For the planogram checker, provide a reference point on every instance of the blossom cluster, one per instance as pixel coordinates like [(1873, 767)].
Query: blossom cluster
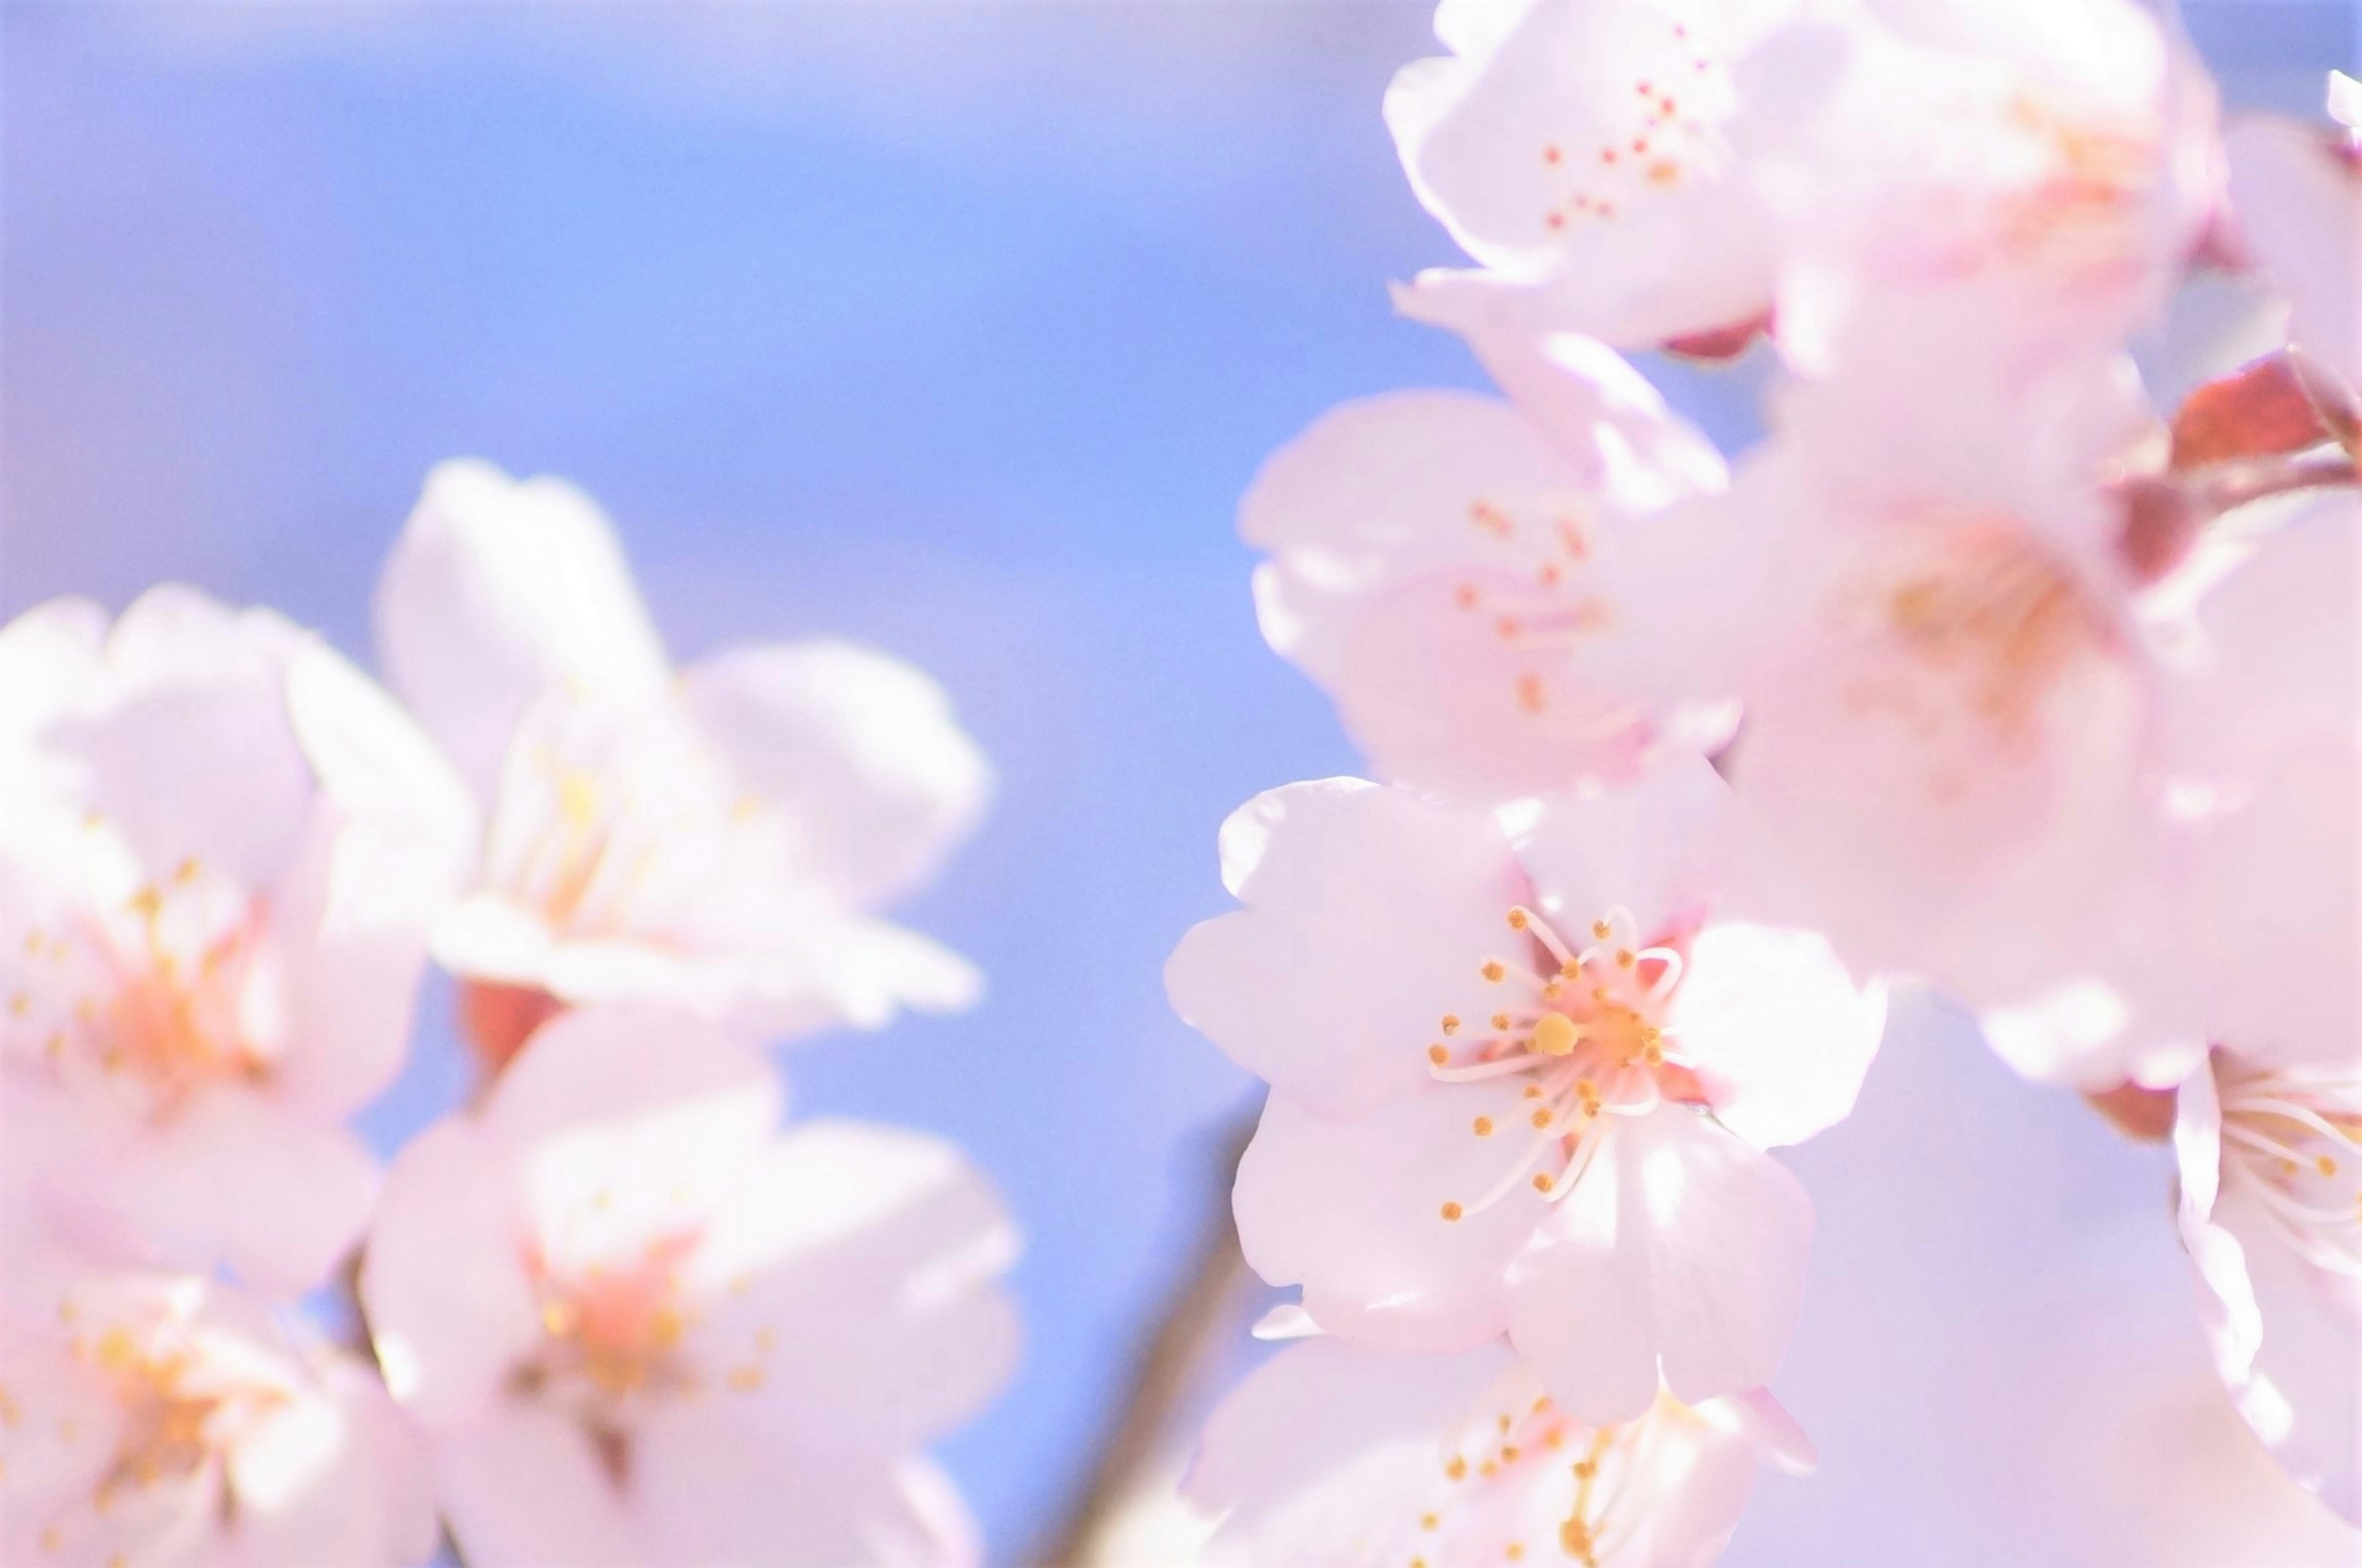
[(2017, 660), (612, 1311)]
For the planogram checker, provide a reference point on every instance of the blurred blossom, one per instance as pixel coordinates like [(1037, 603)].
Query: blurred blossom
[(162, 1418), (1330, 1457), (715, 840), (2299, 190), (221, 854), (641, 1326), (1492, 1041)]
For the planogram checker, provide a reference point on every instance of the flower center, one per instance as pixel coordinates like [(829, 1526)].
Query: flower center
[(150, 1002), (2295, 1146), (1585, 1028), (620, 822), (1516, 1436), (616, 1340), (1986, 626), (1665, 132), (183, 1414), (1536, 607)]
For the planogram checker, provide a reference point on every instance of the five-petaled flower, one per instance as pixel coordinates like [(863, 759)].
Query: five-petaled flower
[(1524, 1067), (716, 840), (640, 1325)]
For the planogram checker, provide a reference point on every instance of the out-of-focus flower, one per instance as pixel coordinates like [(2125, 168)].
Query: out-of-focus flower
[(1935, 614), (2025, 178), (222, 851), (2298, 190), (1330, 1457), (641, 1326), (1522, 1075), (2270, 1159), (715, 840), (1441, 562), (1579, 150), (164, 1418)]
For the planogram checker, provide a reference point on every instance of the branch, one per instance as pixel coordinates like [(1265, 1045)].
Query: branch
[(1198, 1323)]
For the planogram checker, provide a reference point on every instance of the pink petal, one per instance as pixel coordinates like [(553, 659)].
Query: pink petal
[(522, 1487), (861, 747), (1308, 1453), (2300, 205), (497, 592), (1659, 847), (1354, 1211), (710, 1484), (1681, 1247), (444, 1280), (874, 1258), (233, 1179), (1370, 914), (1774, 1023)]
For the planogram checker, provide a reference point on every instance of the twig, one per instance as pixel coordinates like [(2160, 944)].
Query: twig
[(1197, 1324)]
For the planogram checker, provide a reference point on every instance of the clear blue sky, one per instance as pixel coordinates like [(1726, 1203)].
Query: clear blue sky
[(957, 330)]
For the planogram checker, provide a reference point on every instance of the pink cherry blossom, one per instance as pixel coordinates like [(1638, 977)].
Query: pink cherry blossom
[(1440, 561), (1522, 1074), (1580, 151), (639, 1325), (164, 1418), (2297, 191), (716, 840), (2037, 170), (1332, 1457), (1955, 692), (2272, 1211), (214, 891)]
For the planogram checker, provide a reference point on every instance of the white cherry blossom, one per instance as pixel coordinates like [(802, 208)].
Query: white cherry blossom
[(1523, 1070), (217, 878), (719, 839), (1330, 1457), (640, 1325), (150, 1419)]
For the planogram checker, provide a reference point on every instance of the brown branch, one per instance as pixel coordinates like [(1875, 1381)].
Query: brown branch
[(1197, 1324)]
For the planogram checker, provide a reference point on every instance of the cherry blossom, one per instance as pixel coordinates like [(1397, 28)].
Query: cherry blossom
[(717, 839), (1441, 561), (639, 1325), (1933, 610), (1332, 1457), (2298, 190), (1580, 151), (164, 1418), (1522, 1074), (216, 884), (2271, 1210), (2028, 177)]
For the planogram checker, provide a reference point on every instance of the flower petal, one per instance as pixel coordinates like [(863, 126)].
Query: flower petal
[(497, 592), (861, 749)]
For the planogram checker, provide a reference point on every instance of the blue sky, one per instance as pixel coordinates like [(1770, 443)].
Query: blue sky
[(956, 330)]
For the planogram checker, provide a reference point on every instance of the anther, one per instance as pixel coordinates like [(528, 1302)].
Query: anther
[(1452, 1212)]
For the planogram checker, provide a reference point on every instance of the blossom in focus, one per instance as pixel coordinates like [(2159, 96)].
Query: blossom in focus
[(717, 840), (223, 850), (166, 1418), (1523, 1070), (640, 1325), (1581, 151), (2298, 192), (1441, 561), (1332, 1457)]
